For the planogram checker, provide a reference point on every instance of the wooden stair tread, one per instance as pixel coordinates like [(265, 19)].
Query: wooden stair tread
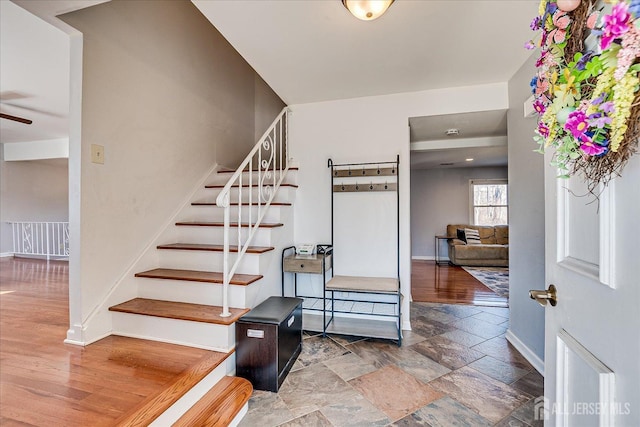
[(179, 310), (220, 405), (198, 276), (236, 204), (246, 185), (214, 248), (152, 407), (295, 168), (221, 224)]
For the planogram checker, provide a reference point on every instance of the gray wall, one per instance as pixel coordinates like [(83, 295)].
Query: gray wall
[(526, 213), (168, 97), (34, 190), (440, 197)]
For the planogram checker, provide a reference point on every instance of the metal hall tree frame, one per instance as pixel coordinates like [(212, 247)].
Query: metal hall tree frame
[(366, 285)]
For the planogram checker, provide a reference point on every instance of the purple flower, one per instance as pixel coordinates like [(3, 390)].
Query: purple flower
[(577, 125), (551, 8), (529, 45), (543, 129), (598, 100), (582, 63), (539, 106), (615, 24), (540, 60), (608, 107), (599, 120), (634, 8), (536, 24)]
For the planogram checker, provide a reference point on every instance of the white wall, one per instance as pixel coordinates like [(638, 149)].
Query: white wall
[(32, 191), (368, 129), (440, 197), (526, 219), (167, 97)]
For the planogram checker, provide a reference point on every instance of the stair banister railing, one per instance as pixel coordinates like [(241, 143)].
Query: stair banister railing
[(270, 158)]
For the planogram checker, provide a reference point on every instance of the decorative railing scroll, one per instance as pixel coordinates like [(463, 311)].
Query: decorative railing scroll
[(252, 189), (48, 239)]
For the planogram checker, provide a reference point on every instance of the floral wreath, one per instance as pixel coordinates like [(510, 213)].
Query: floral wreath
[(587, 89)]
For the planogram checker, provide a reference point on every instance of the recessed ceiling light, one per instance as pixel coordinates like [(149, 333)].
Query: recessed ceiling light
[(468, 160), (452, 132)]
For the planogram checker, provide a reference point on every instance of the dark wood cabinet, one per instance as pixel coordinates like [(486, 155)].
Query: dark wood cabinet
[(268, 342)]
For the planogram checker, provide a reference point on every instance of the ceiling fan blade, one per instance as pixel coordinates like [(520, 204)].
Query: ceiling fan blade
[(35, 110), (15, 118)]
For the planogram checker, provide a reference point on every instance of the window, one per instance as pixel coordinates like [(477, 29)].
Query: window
[(488, 202)]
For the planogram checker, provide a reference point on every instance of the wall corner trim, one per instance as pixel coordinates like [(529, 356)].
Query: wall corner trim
[(526, 352)]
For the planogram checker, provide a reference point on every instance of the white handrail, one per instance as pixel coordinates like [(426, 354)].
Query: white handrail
[(40, 238), (271, 171)]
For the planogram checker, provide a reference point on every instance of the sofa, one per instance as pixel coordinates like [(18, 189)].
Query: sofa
[(493, 249)]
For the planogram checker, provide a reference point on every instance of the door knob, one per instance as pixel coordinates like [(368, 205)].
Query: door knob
[(543, 296)]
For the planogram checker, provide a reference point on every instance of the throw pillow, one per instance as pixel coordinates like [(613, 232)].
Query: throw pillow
[(460, 232), (472, 236)]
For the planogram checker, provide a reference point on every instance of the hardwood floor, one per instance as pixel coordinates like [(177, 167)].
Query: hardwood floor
[(44, 382), (450, 284)]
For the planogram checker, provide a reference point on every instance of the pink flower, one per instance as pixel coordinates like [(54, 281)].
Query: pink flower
[(615, 24), (539, 106), (577, 125), (592, 149), (629, 52), (543, 129)]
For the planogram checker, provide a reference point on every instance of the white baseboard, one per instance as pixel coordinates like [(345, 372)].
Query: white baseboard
[(526, 352), (6, 254), (428, 258)]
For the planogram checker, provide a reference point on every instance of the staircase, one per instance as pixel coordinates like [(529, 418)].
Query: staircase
[(197, 289)]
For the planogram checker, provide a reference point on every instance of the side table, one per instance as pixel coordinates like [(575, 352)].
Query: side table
[(438, 238)]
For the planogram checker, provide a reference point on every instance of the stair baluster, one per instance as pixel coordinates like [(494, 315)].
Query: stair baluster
[(268, 181)]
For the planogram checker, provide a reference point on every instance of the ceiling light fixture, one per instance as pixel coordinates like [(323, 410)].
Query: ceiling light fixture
[(452, 132), (367, 10), (468, 160)]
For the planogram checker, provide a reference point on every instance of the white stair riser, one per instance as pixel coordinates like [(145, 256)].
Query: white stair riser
[(195, 334), (285, 194), (223, 178), (182, 405), (193, 292), (214, 235), (214, 213), (206, 261)]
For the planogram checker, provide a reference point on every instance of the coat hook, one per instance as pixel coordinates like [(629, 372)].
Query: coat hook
[(371, 186), (357, 187), (378, 169), (386, 187), (349, 170), (342, 187), (363, 171)]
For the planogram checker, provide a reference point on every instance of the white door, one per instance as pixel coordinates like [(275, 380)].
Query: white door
[(592, 335)]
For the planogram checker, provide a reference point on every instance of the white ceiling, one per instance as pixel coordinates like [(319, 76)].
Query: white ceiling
[(34, 69), (34, 76), (482, 137), (311, 51)]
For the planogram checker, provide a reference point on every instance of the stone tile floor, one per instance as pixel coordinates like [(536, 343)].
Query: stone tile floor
[(455, 368)]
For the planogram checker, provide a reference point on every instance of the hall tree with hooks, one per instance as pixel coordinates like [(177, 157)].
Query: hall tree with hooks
[(365, 219)]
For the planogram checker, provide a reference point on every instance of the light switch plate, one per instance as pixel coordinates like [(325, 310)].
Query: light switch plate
[(97, 154)]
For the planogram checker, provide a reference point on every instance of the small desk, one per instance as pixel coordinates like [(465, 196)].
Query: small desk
[(438, 238), (314, 264)]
